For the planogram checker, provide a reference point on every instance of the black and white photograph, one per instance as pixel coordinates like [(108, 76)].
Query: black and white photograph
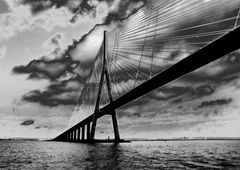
[(119, 84)]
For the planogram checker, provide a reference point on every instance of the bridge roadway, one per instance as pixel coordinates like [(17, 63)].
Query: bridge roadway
[(213, 51)]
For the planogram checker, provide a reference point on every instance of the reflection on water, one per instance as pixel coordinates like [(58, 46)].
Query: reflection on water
[(136, 155)]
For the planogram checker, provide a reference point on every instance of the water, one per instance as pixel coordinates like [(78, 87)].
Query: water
[(137, 155)]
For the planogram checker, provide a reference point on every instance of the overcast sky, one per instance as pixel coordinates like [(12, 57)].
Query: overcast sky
[(41, 82)]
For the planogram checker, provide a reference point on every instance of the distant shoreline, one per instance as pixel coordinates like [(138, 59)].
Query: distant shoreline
[(140, 139), (185, 139), (19, 139)]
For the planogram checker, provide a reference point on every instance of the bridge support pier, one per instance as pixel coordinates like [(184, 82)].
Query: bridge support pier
[(88, 131), (67, 137), (75, 135), (83, 132), (79, 134)]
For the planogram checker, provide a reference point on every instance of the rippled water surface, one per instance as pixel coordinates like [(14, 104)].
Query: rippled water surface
[(136, 155)]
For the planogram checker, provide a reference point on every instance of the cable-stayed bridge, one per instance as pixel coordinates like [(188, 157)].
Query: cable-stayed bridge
[(160, 43)]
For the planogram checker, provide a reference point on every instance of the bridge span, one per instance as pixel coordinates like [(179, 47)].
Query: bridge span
[(222, 44)]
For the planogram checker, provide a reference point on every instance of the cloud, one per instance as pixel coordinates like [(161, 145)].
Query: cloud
[(218, 72), (3, 7), (59, 68), (166, 93), (27, 122), (213, 103), (73, 5), (122, 114), (43, 127), (174, 93), (171, 99), (118, 10), (30, 14), (87, 46), (77, 58), (203, 90), (64, 92), (20, 17), (3, 52), (47, 69), (123, 10), (51, 99), (55, 41), (84, 51)]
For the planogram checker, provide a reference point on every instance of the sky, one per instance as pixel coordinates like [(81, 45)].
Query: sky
[(46, 50)]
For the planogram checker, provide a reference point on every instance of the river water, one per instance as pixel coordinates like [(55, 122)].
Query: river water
[(136, 155)]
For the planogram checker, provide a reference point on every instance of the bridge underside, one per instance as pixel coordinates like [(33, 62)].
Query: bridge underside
[(215, 50)]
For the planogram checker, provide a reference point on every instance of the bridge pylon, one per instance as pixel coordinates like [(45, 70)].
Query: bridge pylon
[(104, 74)]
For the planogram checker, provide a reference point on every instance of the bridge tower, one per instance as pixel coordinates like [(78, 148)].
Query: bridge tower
[(112, 112)]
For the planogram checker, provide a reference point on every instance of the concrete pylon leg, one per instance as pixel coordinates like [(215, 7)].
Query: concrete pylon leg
[(94, 123), (115, 125)]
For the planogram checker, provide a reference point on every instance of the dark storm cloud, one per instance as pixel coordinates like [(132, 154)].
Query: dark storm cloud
[(47, 69), (203, 90), (147, 106), (205, 23), (221, 71), (47, 98), (27, 122), (141, 101), (176, 101), (62, 65), (43, 127), (67, 85), (122, 114), (57, 67), (124, 8), (166, 93), (83, 7), (229, 72), (213, 103), (81, 40), (228, 67), (175, 94), (38, 6), (210, 21), (212, 113), (3, 7), (35, 71), (61, 93)]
